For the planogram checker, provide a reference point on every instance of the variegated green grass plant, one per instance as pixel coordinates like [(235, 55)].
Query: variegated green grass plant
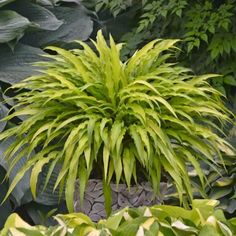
[(88, 110)]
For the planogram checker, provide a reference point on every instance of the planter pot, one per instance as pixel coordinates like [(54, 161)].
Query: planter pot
[(121, 197)]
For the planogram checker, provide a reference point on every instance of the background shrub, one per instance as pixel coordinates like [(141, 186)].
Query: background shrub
[(207, 29)]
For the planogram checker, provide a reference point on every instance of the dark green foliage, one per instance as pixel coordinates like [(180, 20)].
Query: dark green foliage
[(27, 23), (207, 29)]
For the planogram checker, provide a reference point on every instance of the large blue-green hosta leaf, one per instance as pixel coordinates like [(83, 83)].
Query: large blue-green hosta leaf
[(22, 192), (12, 26), (41, 17), (47, 195), (15, 66), (77, 26), (22, 188)]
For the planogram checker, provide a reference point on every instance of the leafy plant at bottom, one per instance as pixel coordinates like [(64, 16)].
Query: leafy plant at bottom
[(90, 111), (161, 220)]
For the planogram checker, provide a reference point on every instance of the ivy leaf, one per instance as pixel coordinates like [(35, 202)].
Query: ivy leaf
[(214, 53), (164, 13), (230, 80), (190, 47), (211, 29), (204, 37), (225, 25), (196, 42), (179, 12)]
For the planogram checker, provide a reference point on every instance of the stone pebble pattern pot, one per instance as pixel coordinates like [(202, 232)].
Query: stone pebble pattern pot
[(93, 206)]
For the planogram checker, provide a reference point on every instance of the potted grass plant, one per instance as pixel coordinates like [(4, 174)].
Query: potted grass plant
[(122, 122)]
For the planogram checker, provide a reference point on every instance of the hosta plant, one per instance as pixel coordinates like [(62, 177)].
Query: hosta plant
[(201, 220), (92, 113)]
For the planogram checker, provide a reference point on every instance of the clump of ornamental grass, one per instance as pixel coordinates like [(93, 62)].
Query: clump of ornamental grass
[(87, 110)]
